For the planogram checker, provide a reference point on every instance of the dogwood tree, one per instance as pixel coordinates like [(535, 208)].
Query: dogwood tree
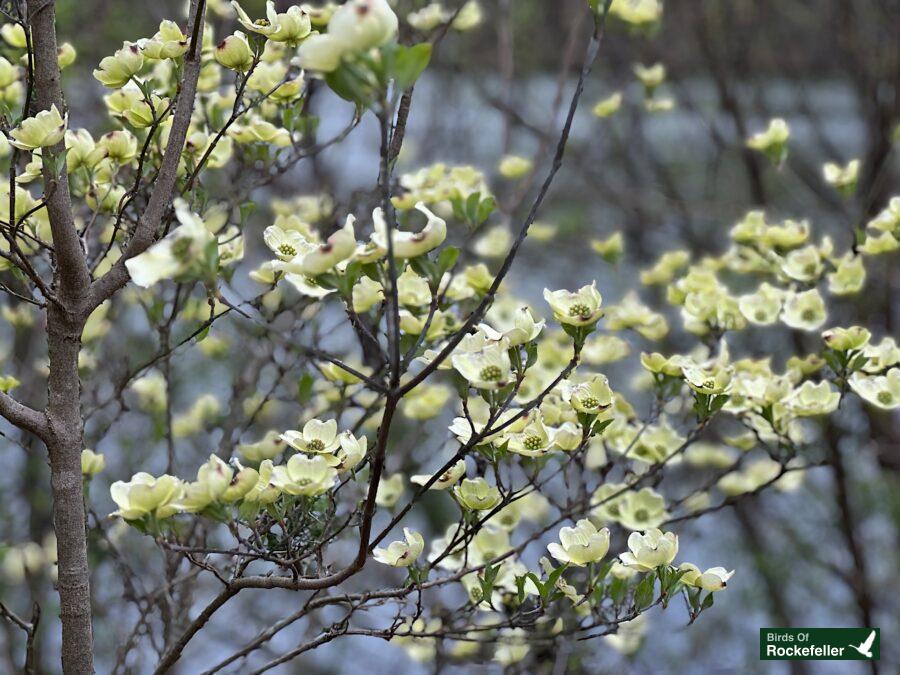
[(561, 490)]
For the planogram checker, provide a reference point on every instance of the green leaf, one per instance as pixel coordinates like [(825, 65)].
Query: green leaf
[(536, 582), (643, 593), (617, 590), (718, 402), (305, 388), (556, 574), (485, 209), (245, 209), (487, 581), (600, 427), (54, 162), (520, 588), (602, 572), (832, 360), (447, 259), (424, 267), (409, 63), (349, 86)]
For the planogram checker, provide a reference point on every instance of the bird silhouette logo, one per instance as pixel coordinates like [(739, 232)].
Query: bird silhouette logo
[(865, 648)]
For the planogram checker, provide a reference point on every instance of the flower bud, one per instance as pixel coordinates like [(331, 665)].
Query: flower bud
[(234, 52), (360, 25), (92, 462), (116, 70), (45, 129)]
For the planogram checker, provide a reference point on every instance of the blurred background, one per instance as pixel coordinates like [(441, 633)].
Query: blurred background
[(825, 554)]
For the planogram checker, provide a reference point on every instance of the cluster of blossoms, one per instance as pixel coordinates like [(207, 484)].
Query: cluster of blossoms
[(322, 456), (522, 388)]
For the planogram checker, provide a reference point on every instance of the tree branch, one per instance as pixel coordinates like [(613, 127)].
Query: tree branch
[(22, 416), (72, 276), (161, 198)]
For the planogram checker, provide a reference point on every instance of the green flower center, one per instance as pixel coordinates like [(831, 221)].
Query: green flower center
[(315, 445), (181, 247), (760, 315), (580, 310), (590, 402), (261, 22), (491, 373), (533, 443), (808, 315), (641, 515), (287, 249), (885, 397)]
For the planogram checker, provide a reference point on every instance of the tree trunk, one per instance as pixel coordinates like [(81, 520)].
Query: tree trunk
[(65, 444)]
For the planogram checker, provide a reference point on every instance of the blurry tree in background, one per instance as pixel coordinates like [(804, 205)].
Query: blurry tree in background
[(281, 369)]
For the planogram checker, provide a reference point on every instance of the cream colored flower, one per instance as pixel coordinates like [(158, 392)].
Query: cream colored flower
[(168, 43), (319, 259), (116, 70), (487, 368), (476, 494), (306, 476), (360, 25), (320, 53), (712, 379), (350, 454), (213, 478), (173, 255), (390, 489), (426, 401), (144, 495), (516, 330), (234, 52), (773, 141), (268, 447), (401, 553), (638, 13), (842, 178), (882, 391), (593, 396), (447, 479), (575, 308), (641, 510), (813, 399), (713, 579), (286, 244), (532, 441), (514, 166), (846, 339), (265, 491), (45, 129), (366, 294), (317, 437), (92, 462), (581, 544), (762, 307), (650, 550), (608, 106), (849, 275), (804, 311), (410, 244), (650, 76), (290, 27)]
